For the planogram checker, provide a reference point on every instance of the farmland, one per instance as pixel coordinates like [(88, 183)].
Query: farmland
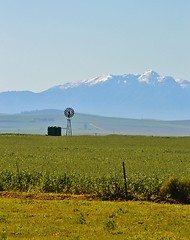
[(93, 164), (95, 155), (45, 183)]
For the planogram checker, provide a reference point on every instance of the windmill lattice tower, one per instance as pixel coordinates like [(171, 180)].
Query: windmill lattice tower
[(69, 113)]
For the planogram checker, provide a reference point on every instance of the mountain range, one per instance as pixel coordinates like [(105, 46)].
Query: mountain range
[(141, 96)]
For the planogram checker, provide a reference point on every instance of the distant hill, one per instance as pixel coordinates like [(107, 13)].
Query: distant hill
[(37, 122), (148, 96)]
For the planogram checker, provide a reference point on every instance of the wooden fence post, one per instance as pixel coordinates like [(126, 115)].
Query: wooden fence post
[(124, 177)]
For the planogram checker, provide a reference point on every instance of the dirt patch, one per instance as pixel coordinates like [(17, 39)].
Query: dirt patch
[(54, 196), (46, 196)]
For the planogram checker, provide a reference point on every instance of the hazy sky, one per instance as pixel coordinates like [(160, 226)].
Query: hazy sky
[(44, 43)]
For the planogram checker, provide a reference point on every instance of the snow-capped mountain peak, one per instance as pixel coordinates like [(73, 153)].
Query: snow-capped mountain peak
[(129, 95), (150, 77), (97, 80), (89, 82)]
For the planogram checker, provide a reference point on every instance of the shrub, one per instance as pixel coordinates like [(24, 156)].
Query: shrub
[(176, 189), (105, 187)]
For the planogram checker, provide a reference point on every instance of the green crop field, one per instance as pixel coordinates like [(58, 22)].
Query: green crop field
[(93, 165), (97, 155)]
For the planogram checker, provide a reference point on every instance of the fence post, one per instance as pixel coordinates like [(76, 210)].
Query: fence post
[(124, 177)]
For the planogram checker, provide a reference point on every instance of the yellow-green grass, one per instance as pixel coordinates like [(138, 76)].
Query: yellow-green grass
[(78, 219)]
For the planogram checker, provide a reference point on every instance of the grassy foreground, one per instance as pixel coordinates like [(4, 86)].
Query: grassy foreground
[(78, 219)]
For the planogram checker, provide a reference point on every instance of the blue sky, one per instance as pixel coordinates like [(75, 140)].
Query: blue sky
[(44, 43)]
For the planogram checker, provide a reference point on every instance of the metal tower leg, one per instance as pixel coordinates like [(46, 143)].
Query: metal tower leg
[(68, 129)]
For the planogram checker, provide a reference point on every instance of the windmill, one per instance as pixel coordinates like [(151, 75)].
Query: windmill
[(69, 113)]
